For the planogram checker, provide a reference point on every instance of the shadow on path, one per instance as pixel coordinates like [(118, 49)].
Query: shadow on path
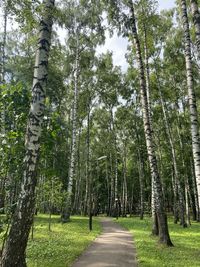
[(114, 247)]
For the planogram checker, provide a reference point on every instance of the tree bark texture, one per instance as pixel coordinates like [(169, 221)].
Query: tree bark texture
[(177, 182), (115, 197), (140, 172), (14, 250), (159, 199), (147, 72), (141, 181), (68, 205), (191, 97), (3, 45), (125, 191), (196, 20)]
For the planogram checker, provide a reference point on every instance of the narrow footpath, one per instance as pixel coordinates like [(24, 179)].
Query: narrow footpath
[(113, 248)]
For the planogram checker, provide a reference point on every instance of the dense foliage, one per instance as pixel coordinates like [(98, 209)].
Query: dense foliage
[(93, 155)]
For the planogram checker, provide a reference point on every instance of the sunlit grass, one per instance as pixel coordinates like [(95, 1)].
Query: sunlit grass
[(63, 244), (186, 250)]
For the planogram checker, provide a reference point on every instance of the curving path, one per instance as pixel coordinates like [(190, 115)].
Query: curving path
[(113, 248)]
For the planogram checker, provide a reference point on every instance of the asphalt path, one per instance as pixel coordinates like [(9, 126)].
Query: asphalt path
[(113, 248)]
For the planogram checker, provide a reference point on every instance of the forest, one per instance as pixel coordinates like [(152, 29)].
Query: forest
[(80, 136)]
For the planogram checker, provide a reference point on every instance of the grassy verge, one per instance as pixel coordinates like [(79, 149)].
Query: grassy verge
[(61, 246), (186, 250)]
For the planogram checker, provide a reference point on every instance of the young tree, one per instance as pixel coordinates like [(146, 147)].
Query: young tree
[(15, 247)]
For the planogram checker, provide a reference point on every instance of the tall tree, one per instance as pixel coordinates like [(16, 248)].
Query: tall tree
[(191, 96), (159, 198), (3, 44), (15, 247), (176, 183), (196, 20), (67, 210)]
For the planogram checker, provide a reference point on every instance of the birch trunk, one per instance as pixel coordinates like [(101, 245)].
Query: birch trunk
[(195, 192), (147, 70), (68, 205), (111, 202), (196, 20), (108, 189), (192, 97), (146, 57), (115, 196), (2, 74), (159, 199), (14, 250), (125, 197), (141, 181), (3, 48), (88, 189), (78, 180), (187, 203), (177, 183), (87, 181), (141, 173)]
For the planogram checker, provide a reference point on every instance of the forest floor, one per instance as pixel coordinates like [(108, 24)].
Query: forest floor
[(63, 244), (114, 247), (186, 250)]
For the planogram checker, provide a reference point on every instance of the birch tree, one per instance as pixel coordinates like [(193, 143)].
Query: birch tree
[(67, 208), (191, 96), (176, 182), (14, 251), (196, 20), (159, 198)]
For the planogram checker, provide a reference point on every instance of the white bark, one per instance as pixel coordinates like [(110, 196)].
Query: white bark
[(196, 19), (3, 45), (191, 96), (14, 251), (159, 199), (177, 183), (68, 204), (74, 124)]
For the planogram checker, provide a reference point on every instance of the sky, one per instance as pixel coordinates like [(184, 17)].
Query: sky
[(164, 4), (118, 45)]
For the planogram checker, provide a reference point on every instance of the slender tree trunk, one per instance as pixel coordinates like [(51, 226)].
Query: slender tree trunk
[(147, 72), (14, 250), (115, 193), (89, 176), (111, 186), (2, 81), (125, 197), (192, 97), (177, 183), (68, 205), (141, 172), (159, 199), (187, 203), (141, 181), (3, 45), (196, 20), (78, 180), (108, 188), (87, 182), (195, 192)]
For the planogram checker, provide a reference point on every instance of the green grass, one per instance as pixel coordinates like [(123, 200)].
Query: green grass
[(61, 246), (186, 250)]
